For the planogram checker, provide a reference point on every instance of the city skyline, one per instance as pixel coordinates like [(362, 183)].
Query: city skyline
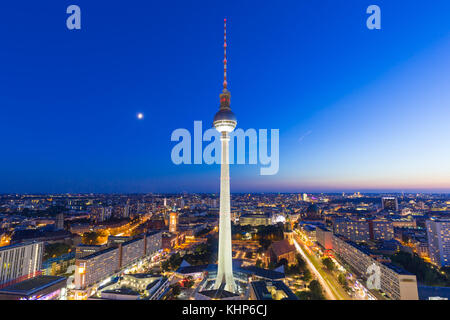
[(334, 184), (357, 109)]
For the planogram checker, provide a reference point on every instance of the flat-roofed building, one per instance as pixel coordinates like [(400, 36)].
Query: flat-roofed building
[(83, 250), (139, 286), (397, 283), (255, 220), (309, 230), (99, 266), (402, 222), (389, 203), (438, 231), (37, 288), (270, 290), (153, 242), (20, 261), (324, 238), (356, 230), (173, 222), (131, 251), (381, 229), (94, 268)]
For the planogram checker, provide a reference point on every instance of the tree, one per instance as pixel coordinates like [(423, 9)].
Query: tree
[(55, 250), (189, 282), (264, 243), (343, 281), (176, 290), (300, 262), (282, 262), (292, 270), (328, 263), (307, 276), (90, 238), (272, 265), (341, 278), (316, 290), (425, 273), (172, 263), (304, 295), (165, 265), (258, 263)]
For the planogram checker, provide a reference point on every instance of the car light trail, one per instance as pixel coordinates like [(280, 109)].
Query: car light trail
[(315, 271)]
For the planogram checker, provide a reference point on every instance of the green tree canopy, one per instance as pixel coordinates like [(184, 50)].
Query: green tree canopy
[(328, 263)]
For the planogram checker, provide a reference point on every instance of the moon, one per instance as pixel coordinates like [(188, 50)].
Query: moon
[(140, 116)]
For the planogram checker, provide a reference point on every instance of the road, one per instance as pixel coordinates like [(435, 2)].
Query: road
[(328, 292)]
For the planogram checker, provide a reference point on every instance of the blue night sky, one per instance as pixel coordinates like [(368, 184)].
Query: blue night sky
[(357, 110)]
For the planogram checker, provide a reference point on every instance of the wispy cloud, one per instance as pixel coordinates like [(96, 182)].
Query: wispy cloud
[(304, 136)]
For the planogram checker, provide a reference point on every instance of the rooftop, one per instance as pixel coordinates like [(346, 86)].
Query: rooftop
[(218, 294), (30, 286), (17, 245), (282, 247), (272, 290), (98, 253)]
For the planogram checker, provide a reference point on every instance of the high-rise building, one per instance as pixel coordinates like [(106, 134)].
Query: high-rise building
[(126, 211), (59, 222), (101, 264), (19, 262), (108, 213), (97, 213), (438, 231), (356, 230), (180, 202), (389, 203), (173, 222), (381, 229), (96, 267), (225, 122)]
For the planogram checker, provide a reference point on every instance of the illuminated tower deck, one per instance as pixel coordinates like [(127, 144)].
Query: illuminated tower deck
[(225, 122)]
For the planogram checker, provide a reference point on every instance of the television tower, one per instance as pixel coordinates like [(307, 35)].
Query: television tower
[(225, 122)]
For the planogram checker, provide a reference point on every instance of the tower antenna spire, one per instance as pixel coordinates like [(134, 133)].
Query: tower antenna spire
[(225, 54)]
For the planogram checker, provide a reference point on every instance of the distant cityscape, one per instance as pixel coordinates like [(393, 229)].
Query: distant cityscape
[(164, 246), (104, 105)]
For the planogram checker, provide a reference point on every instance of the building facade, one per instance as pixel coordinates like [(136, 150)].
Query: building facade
[(173, 222), (94, 268), (19, 262), (389, 203), (381, 229), (356, 230), (324, 238), (395, 282), (255, 220), (438, 232)]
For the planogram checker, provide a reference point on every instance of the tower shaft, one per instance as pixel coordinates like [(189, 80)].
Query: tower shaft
[(225, 266)]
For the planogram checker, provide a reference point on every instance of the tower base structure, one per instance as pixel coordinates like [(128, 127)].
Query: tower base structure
[(207, 289)]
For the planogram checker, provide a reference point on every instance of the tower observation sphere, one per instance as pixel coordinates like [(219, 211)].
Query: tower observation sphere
[(225, 120)]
